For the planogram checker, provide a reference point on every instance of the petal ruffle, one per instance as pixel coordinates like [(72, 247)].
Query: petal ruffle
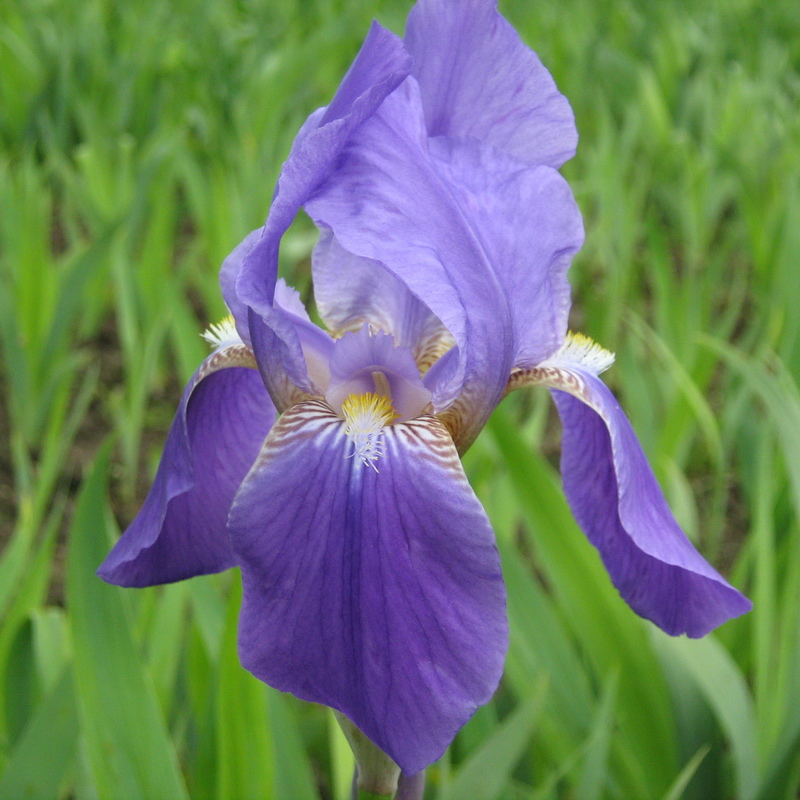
[(479, 80), (617, 502), (481, 239), (376, 593), (379, 67), (529, 226), (221, 423)]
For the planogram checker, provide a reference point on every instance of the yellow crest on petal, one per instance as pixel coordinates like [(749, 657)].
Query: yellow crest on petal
[(366, 415)]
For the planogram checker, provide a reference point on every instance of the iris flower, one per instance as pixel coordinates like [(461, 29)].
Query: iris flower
[(326, 465)]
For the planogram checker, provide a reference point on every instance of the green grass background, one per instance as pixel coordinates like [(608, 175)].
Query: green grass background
[(140, 141)]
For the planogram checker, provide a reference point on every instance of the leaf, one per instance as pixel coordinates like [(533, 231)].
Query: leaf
[(595, 767), (129, 751), (343, 763), (675, 792), (541, 644), (39, 763), (245, 766), (722, 684), (485, 774), (294, 777)]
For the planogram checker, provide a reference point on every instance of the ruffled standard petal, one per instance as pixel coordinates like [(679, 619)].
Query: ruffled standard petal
[(221, 423), (479, 80), (481, 239), (617, 502), (376, 593), (528, 224), (379, 67)]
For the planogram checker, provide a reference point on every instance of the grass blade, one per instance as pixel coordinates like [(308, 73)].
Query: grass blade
[(129, 751), (39, 763), (488, 770)]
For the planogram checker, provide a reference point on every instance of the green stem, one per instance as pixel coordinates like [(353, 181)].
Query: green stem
[(376, 774), (363, 794)]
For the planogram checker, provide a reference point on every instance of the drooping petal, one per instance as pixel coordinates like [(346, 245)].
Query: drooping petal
[(479, 80), (482, 239), (351, 291), (379, 67), (618, 503), (376, 593), (221, 423)]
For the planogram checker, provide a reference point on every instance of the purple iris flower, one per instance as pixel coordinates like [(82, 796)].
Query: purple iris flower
[(326, 465)]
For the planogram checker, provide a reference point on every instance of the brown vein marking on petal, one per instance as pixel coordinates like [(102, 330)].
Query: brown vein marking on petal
[(433, 343), (432, 347), (429, 440), (553, 377), (234, 355), (355, 325), (464, 419), (284, 393), (302, 421)]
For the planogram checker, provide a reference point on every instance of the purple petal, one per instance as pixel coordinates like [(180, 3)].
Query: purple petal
[(288, 298), (479, 80), (376, 593), (316, 344), (351, 291), (229, 271), (529, 226), (291, 377), (379, 67), (483, 240), (221, 423), (617, 501), (411, 787), (359, 356), (288, 378)]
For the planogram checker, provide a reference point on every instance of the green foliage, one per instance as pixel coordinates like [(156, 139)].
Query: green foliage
[(140, 141)]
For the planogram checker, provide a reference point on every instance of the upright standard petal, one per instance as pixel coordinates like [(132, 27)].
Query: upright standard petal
[(221, 423), (617, 502), (482, 239), (378, 593), (530, 228), (479, 80), (379, 67)]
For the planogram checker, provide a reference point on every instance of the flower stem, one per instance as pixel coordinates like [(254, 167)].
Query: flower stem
[(410, 787), (363, 794), (376, 774)]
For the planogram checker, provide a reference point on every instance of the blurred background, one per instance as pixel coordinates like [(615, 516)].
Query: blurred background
[(140, 141)]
